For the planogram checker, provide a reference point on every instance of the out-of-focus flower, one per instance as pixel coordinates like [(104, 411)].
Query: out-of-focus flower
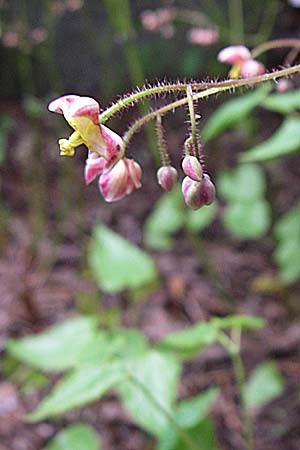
[(11, 39), (252, 68), (167, 177), (198, 193), (283, 85), (203, 36), (119, 181), (192, 167), (234, 54), (74, 5), (295, 3), (38, 35), (82, 115), (242, 62), (156, 20)]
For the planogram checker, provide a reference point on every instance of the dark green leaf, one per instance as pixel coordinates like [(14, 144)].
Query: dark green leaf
[(284, 141), (75, 437), (117, 264), (233, 112), (264, 385)]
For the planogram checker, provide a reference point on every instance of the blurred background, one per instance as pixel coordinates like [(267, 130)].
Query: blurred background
[(104, 49)]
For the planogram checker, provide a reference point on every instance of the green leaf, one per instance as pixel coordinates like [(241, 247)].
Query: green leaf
[(198, 220), (157, 376), (84, 385), (233, 112), (167, 217), (236, 320), (264, 385), (283, 103), (193, 339), (243, 184), (75, 437), (58, 348), (117, 264), (284, 141), (248, 220), (193, 410), (286, 255)]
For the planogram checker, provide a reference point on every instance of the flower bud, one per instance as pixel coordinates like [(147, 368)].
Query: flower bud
[(167, 177), (234, 54), (198, 193), (192, 167), (252, 68)]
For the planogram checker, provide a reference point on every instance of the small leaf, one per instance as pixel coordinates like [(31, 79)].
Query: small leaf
[(284, 141), (245, 183), (283, 103), (248, 220), (85, 384), (264, 385), (193, 339), (233, 112), (193, 410), (58, 348), (236, 320), (75, 437), (157, 377), (117, 264), (204, 436), (167, 217), (286, 255), (198, 220)]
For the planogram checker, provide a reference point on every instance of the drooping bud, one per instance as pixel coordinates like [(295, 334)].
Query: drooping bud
[(251, 68), (198, 193), (120, 180), (234, 54), (192, 167), (167, 177), (94, 166)]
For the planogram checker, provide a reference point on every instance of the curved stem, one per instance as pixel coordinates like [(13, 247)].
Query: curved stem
[(231, 84), (276, 43)]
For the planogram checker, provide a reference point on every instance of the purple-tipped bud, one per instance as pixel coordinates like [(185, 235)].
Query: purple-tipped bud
[(167, 177), (198, 193), (234, 54), (252, 68), (192, 167)]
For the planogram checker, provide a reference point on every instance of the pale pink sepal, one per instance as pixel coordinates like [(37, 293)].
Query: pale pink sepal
[(252, 68), (192, 167), (234, 54), (94, 166), (167, 177)]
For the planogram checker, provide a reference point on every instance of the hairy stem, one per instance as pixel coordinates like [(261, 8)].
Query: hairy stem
[(189, 93), (231, 84)]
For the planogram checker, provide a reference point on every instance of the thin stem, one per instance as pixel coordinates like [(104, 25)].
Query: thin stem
[(178, 87), (189, 94), (276, 43), (236, 18), (181, 432), (231, 84), (161, 144)]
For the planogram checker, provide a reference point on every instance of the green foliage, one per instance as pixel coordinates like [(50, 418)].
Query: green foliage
[(170, 215), (6, 125), (83, 385), (287, 232), (117, 264), (75, 437), (284, 141), (264, 385), (233, 112), (238, 321), (247, 215), (283, 103), (59, 348), (190, 412), (159, 374)]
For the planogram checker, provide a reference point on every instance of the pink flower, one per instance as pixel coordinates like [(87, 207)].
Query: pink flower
[(192, 167), (119, 181), (252, 68), (94, 166), (203, 36), (82, 115), (167, 177), (198, 193), (234, 54)]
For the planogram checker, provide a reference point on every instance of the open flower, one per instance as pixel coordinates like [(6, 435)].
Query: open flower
[(82, 115), (241, 60)]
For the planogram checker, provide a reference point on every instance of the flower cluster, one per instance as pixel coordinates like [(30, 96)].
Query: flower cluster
[(118, 174), (242, 61)]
